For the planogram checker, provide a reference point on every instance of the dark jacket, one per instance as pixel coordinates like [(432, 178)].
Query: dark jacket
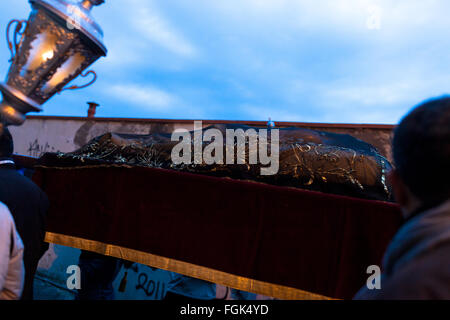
[(28, 206), (416, 264)]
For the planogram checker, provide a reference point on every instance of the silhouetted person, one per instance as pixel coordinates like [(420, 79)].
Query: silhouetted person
[(28, 206), (416, 264), (98, 273)]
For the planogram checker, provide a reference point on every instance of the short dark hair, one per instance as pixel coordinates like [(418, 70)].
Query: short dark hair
[(6, 143), (421, 149)]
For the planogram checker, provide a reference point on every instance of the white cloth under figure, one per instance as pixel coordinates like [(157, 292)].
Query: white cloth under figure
[(12, 269)]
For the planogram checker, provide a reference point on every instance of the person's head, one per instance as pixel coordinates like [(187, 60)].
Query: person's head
[(421, 150), (6, 143)]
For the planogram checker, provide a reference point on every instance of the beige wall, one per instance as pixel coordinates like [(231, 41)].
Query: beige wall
[(42, 134)]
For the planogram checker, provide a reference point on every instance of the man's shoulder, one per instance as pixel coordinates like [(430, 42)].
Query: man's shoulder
[(4, 211), (6, 218), (16, 180), (431, 263), (424, 277)]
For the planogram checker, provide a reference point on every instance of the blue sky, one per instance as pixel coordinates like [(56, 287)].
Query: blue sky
[(339, 61)]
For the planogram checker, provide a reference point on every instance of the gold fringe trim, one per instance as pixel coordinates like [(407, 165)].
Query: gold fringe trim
[(188, 269)]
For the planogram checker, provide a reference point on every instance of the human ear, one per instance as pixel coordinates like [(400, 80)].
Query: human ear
[(398, 187), (402, 194)]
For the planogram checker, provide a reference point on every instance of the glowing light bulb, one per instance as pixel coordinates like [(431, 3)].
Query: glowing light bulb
[(47, 55), (9, 110)]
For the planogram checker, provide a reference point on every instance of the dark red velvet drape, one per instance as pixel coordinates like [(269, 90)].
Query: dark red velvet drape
[(307, 240)]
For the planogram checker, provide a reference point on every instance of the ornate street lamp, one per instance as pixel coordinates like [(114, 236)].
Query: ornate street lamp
[(57, 43)]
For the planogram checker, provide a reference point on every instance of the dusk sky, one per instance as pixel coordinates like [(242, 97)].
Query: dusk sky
[(338, 61)]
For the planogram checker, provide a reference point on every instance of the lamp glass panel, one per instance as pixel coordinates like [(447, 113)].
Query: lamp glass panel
[(68, 69), (42, 51)]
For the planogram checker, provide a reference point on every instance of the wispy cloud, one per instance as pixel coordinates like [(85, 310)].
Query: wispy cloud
[(140, 35), (145, 97), (153, 27)]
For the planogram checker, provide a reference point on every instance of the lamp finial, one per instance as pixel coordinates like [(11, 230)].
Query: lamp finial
[(88, 4)]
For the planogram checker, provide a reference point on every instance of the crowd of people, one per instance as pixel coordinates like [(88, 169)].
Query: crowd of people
[(24, 208), (415, 265)]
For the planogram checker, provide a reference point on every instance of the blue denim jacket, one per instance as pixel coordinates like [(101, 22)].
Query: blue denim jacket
[(191, 287)]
